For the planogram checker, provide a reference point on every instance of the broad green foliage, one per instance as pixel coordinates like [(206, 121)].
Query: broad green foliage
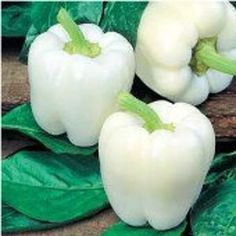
[(215, 212), (14, 221), (123, 229), (223, 168), (16, 20), (124, 18), (50, 187), (21, 119), (82, 12)]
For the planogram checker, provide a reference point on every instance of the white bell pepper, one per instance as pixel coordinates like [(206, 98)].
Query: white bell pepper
[(154, 160), (75, 74), (186, 50)]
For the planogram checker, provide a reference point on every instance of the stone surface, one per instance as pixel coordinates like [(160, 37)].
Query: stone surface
[(221, 109), (15, 87)]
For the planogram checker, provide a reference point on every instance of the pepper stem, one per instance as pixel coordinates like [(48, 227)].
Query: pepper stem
[(152, 121), (206, 56), (78, 43)]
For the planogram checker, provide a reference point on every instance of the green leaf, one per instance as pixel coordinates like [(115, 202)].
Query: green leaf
[(13, 221), (215, 211), (123, 229), (50, 187), (89, 12), (223, 168), (43, 16), (16, 20), (223, 161), (21, 119), (124, 18)]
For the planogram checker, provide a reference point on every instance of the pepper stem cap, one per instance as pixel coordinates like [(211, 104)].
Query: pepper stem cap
[(151, 119), (205, 56), (78, 44)]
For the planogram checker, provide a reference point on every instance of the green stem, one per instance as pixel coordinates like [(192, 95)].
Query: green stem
[(152, 121), (206, 56), (78, 43)]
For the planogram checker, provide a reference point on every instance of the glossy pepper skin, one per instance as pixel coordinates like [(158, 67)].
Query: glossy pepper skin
[(167, 39), (74, 93), (157, 176)]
